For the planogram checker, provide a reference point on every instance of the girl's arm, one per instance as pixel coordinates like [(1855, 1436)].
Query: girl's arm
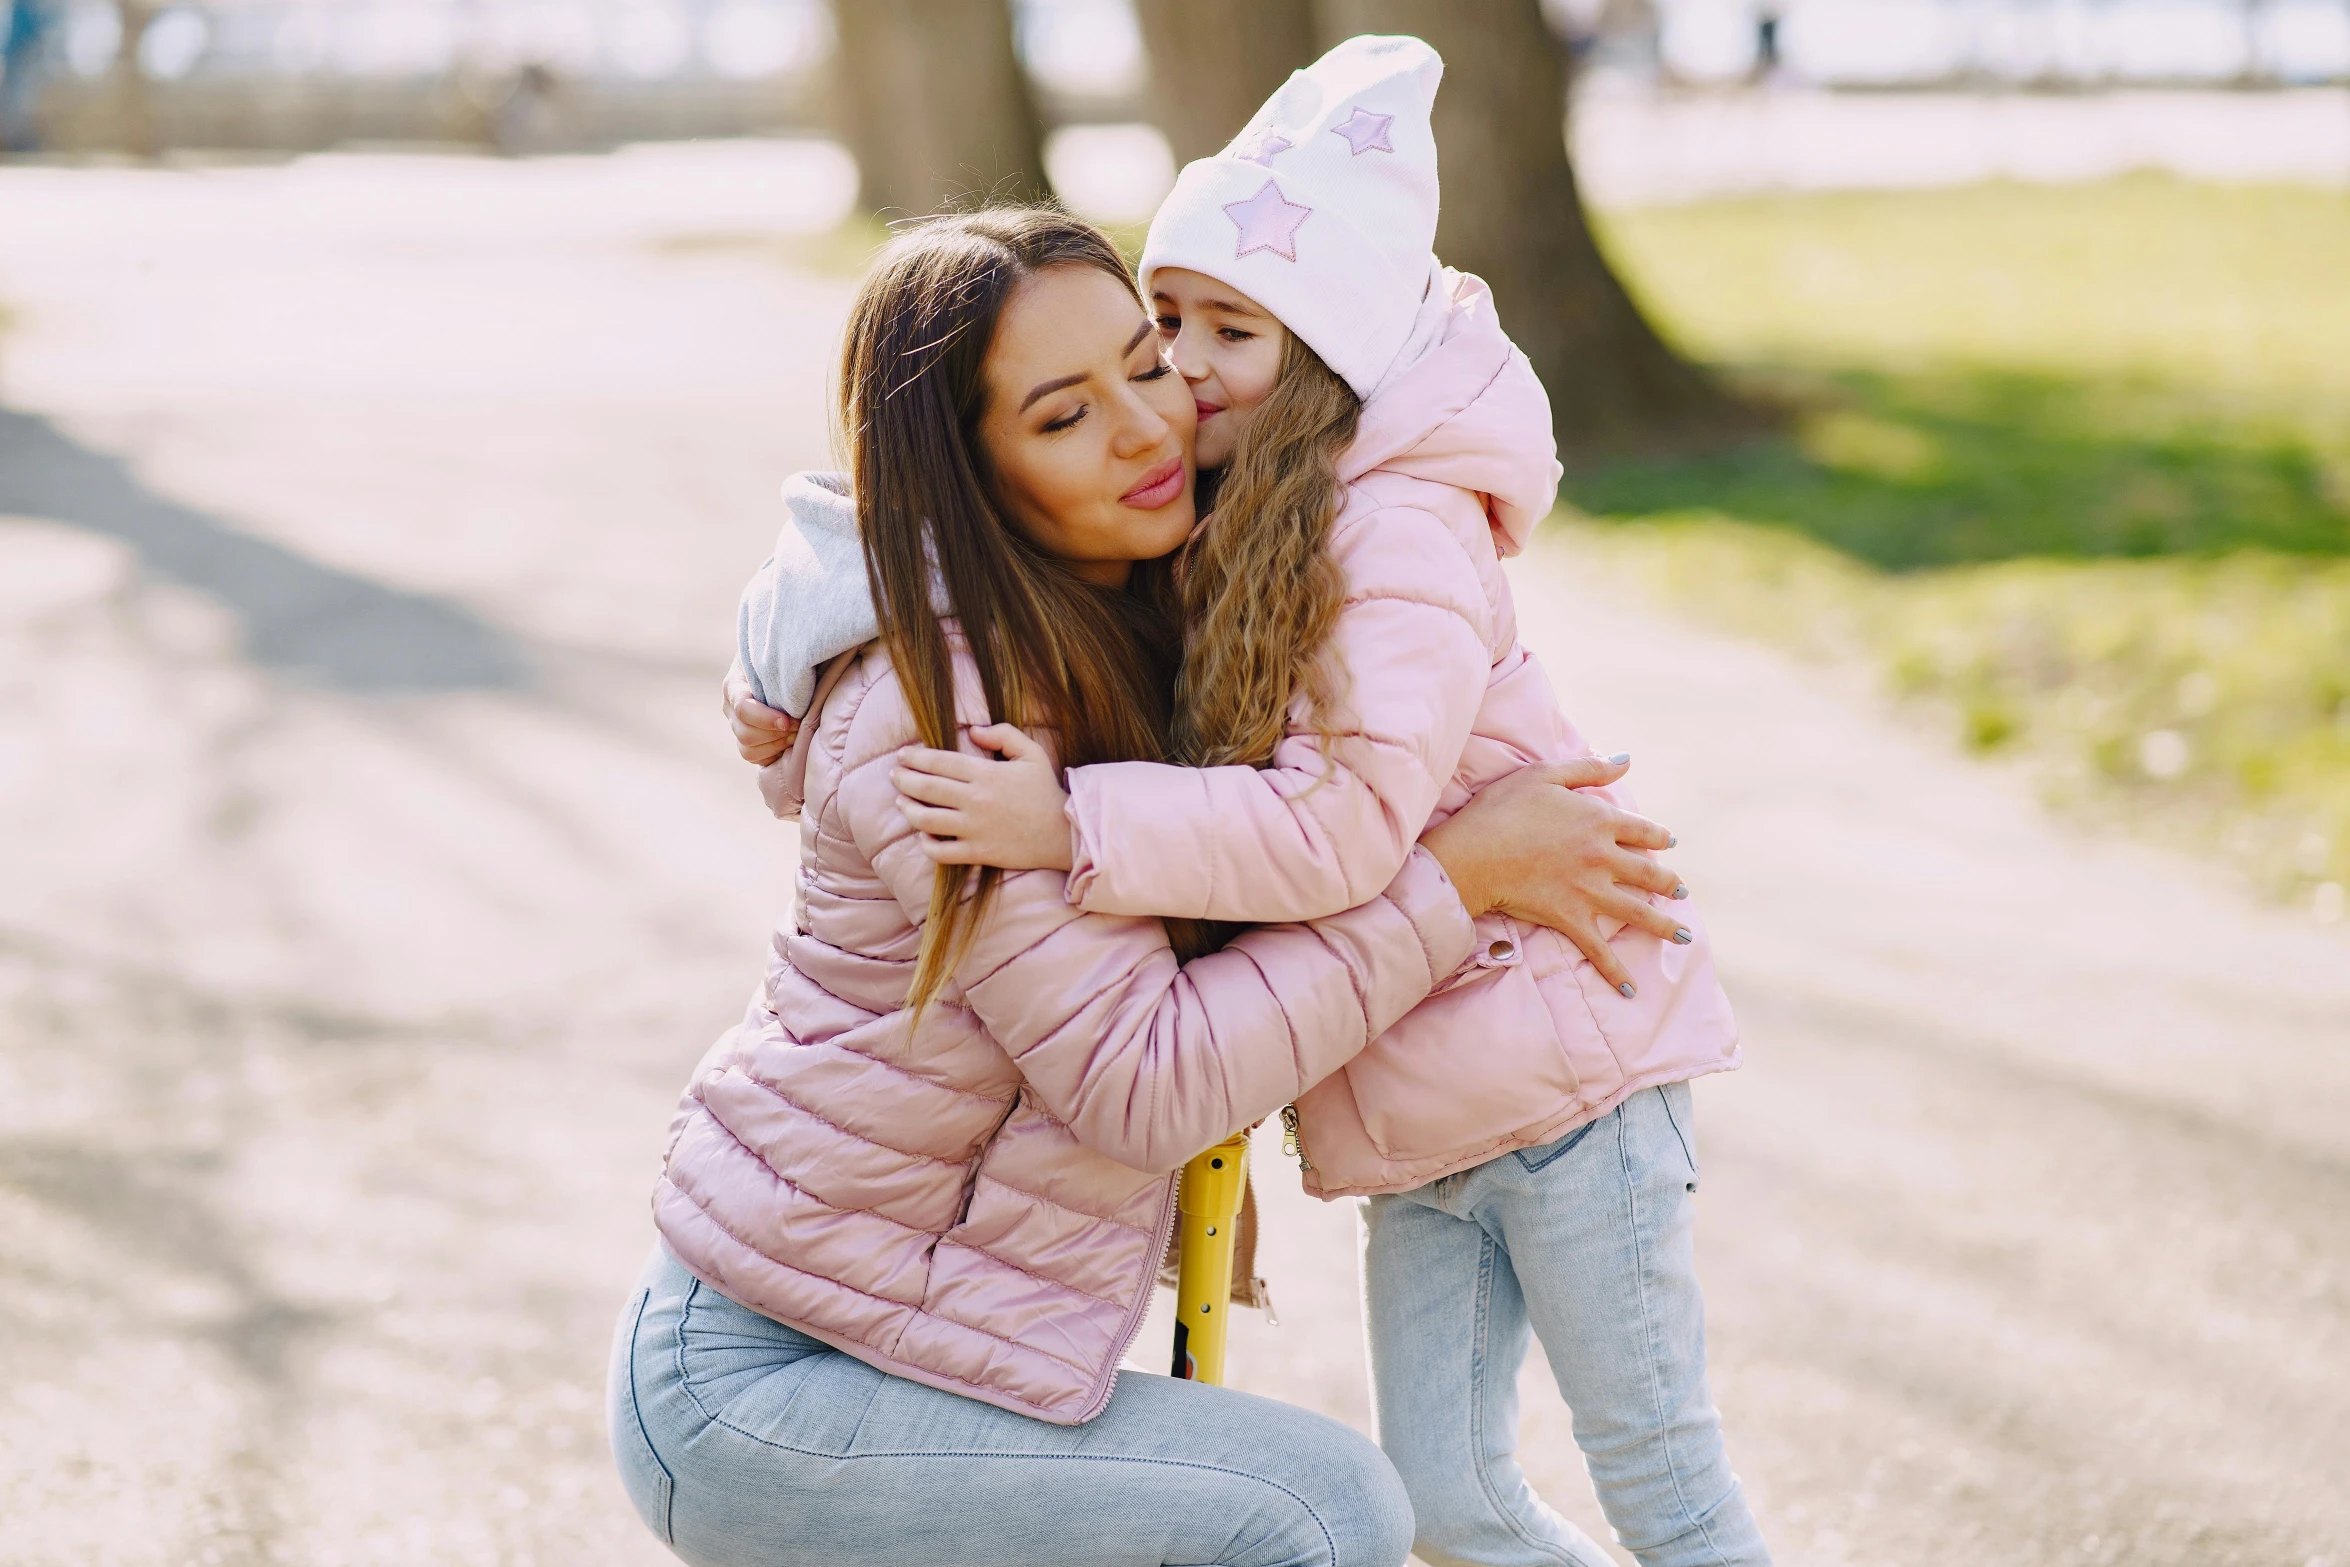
[(761, 733), (1312, 833)]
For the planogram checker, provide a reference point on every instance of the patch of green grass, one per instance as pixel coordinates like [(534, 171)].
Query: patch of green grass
[(2231, 291), (1907, 470), (2071, 463), (2204, 700)]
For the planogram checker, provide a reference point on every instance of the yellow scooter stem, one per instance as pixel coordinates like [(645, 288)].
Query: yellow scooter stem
[(1209, 1219)]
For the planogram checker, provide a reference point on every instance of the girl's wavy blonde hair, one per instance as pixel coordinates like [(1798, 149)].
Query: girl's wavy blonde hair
[(1260, 589)]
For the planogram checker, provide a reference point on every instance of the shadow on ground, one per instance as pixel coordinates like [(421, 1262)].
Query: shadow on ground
[(302, 618), (1942, 469)]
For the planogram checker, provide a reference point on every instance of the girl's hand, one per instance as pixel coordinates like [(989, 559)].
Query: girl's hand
[(760, 732), (1534, 848), (972, 811)]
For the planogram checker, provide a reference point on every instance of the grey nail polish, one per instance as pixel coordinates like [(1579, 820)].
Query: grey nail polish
[(1620, 758), (1680, 892), (1683, 937), (1671, 841), (1626, 988)]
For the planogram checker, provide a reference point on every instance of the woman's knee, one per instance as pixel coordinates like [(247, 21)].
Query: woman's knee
[(1363, 1504)]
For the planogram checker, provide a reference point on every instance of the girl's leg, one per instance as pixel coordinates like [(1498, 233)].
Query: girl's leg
[(746, 1444), (1447, 1330), (1598, 1231)]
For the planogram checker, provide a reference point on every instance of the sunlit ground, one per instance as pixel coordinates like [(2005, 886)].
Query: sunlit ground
[(2072, 462)]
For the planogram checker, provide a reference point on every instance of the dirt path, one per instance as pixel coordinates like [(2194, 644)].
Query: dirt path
[(348, 972)]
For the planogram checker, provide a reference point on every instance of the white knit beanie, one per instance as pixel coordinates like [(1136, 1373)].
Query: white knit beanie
[(1323, 209)]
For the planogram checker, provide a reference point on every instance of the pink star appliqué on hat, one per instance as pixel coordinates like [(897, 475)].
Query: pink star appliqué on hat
[(1269, 144), (1366, 132), (1267, 222)]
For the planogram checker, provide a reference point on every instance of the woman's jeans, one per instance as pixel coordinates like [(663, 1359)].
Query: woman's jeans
[(746, 1444), (1585, 1241)]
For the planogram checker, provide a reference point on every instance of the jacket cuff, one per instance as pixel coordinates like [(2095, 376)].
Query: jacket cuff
[(1084, 869), (1427, 898), (781, 781)]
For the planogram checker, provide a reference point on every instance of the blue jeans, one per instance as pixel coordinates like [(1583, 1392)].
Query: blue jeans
[(1585, 1242), (744, 1443)]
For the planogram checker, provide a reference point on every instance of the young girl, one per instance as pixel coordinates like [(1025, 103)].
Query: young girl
[(1352, 673)]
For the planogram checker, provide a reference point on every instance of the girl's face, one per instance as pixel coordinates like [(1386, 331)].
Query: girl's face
[(1087, 429), (1226, 345)]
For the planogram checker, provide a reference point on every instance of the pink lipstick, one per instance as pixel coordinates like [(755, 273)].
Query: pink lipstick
[(1161, 485)]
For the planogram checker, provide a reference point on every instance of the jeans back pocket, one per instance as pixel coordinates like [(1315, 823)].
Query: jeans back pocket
[(650, 1487)]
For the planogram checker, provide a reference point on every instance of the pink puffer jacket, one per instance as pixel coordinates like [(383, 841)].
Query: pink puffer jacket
[(1451, 468), (981, 1203)]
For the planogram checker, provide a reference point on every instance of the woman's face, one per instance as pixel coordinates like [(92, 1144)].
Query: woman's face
[(1087, 429), (1226, 345)]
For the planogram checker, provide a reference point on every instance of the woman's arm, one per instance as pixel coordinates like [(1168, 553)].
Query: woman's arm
[(1146, 1059), (1149, 1060)]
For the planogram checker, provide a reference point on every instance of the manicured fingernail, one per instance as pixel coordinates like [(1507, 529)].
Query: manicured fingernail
[(1683, 937), (1620, 758), (1680, 892), (1672, 842), (1626, 988)]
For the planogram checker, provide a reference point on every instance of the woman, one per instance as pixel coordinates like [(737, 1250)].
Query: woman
[(913, 1207)]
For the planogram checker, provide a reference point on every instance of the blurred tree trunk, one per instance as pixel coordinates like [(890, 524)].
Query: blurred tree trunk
[(129, 107), (1512, 215), (1213, 61), (932, 102)]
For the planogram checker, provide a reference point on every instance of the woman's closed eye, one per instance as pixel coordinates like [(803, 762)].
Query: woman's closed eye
[(1065, 421), (1159, 369)]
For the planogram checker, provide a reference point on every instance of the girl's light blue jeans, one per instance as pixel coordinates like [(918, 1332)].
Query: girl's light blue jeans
[(1584, 1243), (744, 1443)]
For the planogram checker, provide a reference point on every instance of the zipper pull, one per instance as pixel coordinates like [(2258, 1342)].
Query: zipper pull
[(1289, 1141)]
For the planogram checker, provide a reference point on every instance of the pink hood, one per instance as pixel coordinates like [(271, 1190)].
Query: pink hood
[(1469, 412)]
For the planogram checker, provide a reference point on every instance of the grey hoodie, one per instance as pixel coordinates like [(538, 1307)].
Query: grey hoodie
[(808, 603)]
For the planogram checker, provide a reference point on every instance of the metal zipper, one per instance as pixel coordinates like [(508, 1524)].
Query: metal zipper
[(1165, 1232), (1290, 1144)]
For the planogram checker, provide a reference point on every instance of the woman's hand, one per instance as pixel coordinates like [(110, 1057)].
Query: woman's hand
[(972, 811), (760, 732), (1531, 847)]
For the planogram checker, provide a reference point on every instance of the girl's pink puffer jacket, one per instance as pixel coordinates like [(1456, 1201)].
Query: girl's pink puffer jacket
[(1451, 468), (981, 1203)]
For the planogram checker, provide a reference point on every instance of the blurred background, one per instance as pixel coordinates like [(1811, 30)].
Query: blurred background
[(1957, 530)]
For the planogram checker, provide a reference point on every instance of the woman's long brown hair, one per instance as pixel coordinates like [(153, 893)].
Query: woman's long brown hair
[(1260, 590), (1093, 664)]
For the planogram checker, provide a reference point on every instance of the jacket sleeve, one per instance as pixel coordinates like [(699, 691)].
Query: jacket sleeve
[(1148, 1060), (1312, 833)]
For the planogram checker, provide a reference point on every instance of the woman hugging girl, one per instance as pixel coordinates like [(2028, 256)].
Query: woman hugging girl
[(1338, 677)]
